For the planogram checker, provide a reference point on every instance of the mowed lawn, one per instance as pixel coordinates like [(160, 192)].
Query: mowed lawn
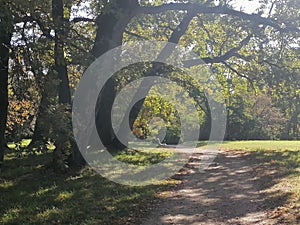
[(31, 193)]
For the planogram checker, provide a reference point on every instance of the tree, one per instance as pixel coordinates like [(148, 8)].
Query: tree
[(236, 34), (40, 57), (6, 30)]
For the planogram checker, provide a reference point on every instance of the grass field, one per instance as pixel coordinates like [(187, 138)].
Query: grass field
[(262, 145), (31, 193)]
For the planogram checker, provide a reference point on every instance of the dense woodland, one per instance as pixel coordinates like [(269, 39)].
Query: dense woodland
[(47, 45)]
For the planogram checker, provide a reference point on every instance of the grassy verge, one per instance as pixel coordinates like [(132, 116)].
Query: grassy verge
[(31, 193), (144, 157), (277, 165)]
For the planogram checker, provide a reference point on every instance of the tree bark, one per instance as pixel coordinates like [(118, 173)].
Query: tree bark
[(110, 28), (5, 37), (62, 154), (41, 129)]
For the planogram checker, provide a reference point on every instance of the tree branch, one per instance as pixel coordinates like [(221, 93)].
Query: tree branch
[(182, 27), (200, 8), (82, 19), (218, 59), (177, 34), (239, 74), (46, 32), (236, 72), (135, 35)]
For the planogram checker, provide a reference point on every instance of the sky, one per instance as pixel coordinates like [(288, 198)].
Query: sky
[(248, 6)]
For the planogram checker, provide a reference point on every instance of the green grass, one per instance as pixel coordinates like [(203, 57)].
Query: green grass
[(144, 156), (31, 193), (261, 145), (23, 143)]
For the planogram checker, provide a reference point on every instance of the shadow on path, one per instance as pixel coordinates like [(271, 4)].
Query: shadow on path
[(227, 193)]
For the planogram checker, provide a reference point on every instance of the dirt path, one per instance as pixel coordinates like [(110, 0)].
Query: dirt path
[(227, 193)]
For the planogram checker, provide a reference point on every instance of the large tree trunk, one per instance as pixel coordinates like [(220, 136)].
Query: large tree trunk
[(41, 128), (5, 37), (110, 28), (64, 92), (62, 153)]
